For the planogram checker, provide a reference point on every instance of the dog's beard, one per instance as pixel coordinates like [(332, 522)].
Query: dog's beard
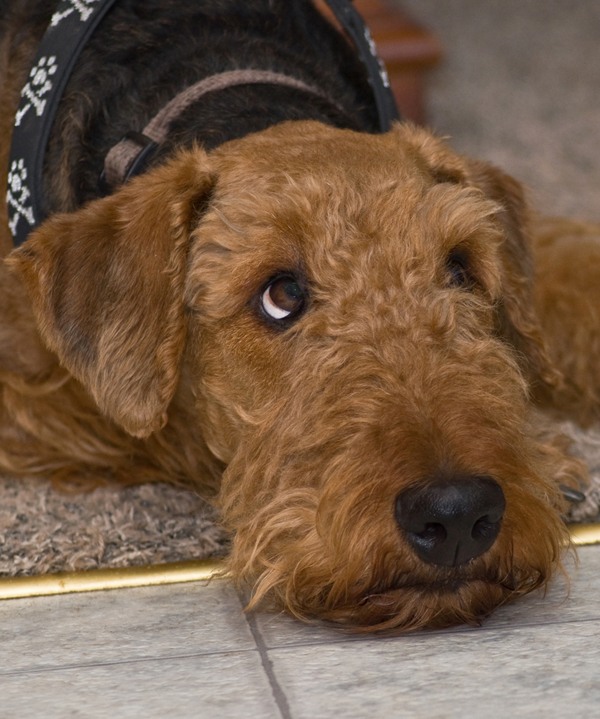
[(444, 597), (368, 579)]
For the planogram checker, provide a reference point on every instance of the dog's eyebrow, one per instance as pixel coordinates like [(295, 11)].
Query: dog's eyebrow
[(213, 248), (226, 221), (447, 174)]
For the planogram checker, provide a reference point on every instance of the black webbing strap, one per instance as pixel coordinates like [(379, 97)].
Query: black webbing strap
[(350, 19), (70, 28)]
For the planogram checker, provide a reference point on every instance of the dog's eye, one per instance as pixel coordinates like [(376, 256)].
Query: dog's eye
[(457, 268), (283, 298)]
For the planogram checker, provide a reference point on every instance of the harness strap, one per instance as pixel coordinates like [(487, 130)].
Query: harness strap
[(71, 26), (351, 21), (128, 157)]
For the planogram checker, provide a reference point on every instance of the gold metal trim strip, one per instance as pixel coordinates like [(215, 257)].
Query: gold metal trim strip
[(582, 534), (97, 579), (202, 570)]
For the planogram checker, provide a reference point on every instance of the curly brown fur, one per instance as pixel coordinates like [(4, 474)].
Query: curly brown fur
[(567, 301)]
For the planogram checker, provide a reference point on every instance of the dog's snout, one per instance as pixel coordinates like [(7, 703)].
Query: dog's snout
[(451, 520)]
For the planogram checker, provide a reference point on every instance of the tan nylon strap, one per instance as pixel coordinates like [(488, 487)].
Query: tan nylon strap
[(120, 158)]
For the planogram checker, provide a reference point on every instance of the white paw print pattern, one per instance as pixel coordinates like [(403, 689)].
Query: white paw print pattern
[(38, 85), (382, 70), (17, 195), (84, 7)]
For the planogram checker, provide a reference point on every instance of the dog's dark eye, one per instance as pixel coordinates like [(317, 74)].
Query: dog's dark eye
[(283, 298), (457, 268)]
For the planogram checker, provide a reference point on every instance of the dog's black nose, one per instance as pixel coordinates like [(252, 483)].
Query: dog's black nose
[(451, 520)]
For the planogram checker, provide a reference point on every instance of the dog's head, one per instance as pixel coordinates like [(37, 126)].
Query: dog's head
[(350, 316)]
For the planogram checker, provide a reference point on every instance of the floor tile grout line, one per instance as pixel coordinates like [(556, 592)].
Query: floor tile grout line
[(263, 648), (278, 693), (120, 662), (426, 635)]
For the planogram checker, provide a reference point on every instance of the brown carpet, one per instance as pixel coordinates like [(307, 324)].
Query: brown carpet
[(518, 87), (43, 530)]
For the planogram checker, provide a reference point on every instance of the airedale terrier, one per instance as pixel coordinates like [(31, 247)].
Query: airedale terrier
[(333, 334)]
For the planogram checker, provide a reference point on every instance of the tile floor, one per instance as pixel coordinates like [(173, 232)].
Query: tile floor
[(187, 651)]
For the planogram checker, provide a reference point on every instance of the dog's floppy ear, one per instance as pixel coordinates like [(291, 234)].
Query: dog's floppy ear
[(517, 319), (106, 285)]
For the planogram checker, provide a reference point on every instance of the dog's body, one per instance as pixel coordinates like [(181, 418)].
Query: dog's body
[(334, 335)]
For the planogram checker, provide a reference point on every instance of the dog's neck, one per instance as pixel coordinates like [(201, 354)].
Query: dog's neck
[(71, 28)]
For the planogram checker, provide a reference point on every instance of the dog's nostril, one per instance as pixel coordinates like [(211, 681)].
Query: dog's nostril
[(450, 521), (483, 528), (434, 532)]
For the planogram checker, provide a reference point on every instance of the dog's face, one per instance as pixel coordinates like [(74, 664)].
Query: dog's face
[(349, 317)]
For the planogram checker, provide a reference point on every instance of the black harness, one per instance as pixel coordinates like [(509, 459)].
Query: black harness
[(76, 21)]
